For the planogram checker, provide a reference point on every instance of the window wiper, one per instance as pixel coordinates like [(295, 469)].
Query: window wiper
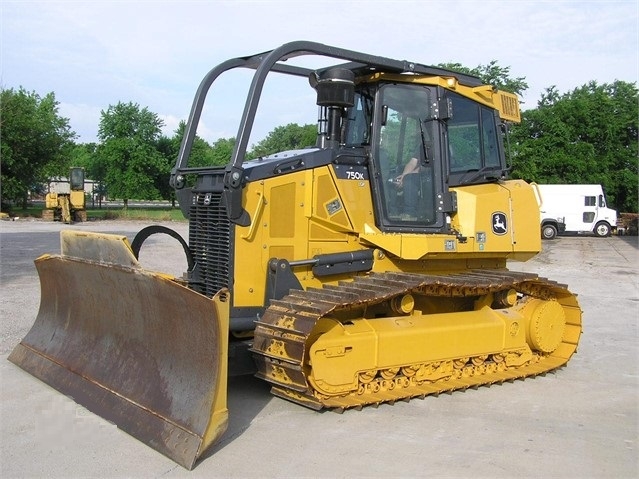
[(423, 135), (478, 173)]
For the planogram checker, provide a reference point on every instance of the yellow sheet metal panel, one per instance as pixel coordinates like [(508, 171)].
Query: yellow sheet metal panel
[(526, 219), (484, 213), (77, 200), (281, 198), (389, 242), (279, 226), (319, 233), (491, 220), (328, 205), (508, 105), (249, 279), (51, 200), (499, 217), (358, 201)]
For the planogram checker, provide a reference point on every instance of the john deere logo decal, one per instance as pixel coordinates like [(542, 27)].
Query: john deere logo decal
[(500, 223)]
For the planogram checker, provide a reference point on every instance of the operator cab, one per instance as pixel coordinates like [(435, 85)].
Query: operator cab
[(422, 139)]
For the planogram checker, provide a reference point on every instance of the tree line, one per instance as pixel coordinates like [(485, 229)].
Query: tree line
[(588, 135)]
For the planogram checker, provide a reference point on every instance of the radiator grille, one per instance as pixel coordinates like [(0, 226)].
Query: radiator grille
[(210, 243), (509, 107)]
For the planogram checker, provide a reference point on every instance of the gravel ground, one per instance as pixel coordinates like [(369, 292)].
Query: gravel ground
[(581, 421)]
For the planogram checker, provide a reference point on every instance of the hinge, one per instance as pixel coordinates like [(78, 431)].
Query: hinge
[(447, 202)]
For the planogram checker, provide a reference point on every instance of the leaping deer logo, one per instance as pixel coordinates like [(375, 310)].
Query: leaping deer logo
[(500, 223)]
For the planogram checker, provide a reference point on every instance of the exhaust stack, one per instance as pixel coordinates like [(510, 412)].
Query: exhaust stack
[(335, 92)]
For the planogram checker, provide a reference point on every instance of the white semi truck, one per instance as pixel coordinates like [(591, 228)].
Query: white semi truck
[(577, 209)]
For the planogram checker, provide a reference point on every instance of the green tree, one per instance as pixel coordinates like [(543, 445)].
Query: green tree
[(82, 155), (492, 74), (221, 151), (130, 138), (282, 138), (35, 142), (86, 155), (588, 135), (167, 148), (202, 154)]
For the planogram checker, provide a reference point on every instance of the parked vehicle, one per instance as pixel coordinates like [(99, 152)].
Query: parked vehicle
[(577, 209), (66, 201)]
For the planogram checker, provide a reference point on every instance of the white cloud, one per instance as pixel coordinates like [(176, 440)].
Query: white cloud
[(83, 119), (171, 124)]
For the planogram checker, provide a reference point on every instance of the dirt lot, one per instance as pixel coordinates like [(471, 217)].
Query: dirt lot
[(581, 421)]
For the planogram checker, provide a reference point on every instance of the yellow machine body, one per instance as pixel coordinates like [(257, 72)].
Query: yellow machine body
[(290, 220), (368, 269), (69, 203)]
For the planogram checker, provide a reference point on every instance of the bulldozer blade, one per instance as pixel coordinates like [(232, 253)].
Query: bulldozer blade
[(130, 345)]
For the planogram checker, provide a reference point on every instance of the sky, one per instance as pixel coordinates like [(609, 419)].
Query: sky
[(94, 54)]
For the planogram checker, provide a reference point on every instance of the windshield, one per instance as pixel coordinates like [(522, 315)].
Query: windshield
[(405, 156)]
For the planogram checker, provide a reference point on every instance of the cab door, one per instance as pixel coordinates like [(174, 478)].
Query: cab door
[(589, 214)]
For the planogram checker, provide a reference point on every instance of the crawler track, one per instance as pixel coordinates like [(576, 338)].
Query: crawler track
[(287, 330)]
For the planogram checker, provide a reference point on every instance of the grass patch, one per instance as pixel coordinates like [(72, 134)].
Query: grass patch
[(158, 213), (137, 213)]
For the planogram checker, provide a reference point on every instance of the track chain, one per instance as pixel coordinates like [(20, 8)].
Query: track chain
[(281, 337)]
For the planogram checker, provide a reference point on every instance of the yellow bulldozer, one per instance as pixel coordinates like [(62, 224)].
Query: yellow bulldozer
[(67, 203), (367, 268)]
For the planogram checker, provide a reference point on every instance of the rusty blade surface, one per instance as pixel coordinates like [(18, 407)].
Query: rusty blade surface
[(134, 347)]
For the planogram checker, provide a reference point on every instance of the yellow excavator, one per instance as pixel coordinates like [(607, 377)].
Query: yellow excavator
[(367, 268)]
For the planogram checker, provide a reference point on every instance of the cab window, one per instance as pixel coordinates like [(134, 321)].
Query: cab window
[(359, 118), (473, 140), (405, 156)]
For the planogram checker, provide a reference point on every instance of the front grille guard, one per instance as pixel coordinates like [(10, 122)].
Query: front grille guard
[(210, 244)]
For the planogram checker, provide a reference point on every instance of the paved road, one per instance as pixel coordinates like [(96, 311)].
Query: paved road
[(581, 421)]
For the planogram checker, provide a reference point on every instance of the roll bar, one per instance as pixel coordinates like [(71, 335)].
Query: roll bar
[(272, 61)]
